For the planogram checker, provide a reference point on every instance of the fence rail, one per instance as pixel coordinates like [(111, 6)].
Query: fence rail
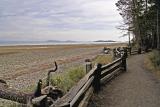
[(133, 51)]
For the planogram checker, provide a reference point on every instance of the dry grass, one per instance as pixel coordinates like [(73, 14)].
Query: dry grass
[(16, 49), (103, 59), (151, 62)]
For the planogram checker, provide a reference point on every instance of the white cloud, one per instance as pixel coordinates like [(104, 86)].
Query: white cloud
[(58, 19)]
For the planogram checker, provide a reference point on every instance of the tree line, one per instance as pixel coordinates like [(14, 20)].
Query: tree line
[(141, 19)]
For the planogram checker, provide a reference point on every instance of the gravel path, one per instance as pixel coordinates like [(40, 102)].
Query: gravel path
[(135, 88)]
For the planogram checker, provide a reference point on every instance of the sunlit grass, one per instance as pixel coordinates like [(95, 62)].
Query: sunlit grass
[(103, 59), (68, 79)]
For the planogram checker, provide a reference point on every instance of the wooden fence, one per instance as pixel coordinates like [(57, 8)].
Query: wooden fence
[(92, 82), (133, 51)]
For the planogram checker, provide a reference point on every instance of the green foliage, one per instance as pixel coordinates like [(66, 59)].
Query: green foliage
[(140, 18), (68, 79), (155, 58)]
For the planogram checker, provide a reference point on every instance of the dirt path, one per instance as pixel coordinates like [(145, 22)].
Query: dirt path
[(135, 88)]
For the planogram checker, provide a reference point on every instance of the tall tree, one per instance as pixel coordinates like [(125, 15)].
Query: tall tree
[(141, 17), (158, 35)]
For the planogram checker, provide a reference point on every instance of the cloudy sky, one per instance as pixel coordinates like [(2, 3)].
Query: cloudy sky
[(81, 20)]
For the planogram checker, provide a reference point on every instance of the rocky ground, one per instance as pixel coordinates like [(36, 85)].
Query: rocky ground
[(24, 68)]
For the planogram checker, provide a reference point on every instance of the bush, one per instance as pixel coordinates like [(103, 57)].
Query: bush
[(68, 79), (155, 59)]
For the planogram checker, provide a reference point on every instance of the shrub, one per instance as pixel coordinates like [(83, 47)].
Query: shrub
[(155, 58)]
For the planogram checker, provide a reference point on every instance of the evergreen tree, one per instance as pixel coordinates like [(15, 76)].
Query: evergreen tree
[(141, 18)]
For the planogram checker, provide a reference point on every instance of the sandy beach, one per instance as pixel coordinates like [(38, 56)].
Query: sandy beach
[(22, 66)]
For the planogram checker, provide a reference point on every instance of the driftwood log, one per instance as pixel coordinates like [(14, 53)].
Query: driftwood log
[(14, 95)]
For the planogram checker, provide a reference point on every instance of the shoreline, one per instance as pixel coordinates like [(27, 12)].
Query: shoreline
[(59, 43)]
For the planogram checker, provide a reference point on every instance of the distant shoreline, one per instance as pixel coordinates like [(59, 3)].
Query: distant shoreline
[(54, 43)]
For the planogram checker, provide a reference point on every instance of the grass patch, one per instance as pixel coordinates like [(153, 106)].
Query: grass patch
[(152, 62), (103, 59), (30, 89), (8, 103), (68, 78)]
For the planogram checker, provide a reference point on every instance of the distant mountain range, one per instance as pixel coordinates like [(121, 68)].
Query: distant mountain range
[(5, 42), (105, 41), (60, 41), (79, 41), (54, 41)]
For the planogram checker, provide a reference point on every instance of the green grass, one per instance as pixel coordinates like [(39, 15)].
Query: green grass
[(103, 59), (68, 79)]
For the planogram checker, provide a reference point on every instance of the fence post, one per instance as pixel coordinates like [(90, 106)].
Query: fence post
[(139, 50), (114, 54), (97, 78), (124, 63), (125, 51), (88, 65), (130, 50)]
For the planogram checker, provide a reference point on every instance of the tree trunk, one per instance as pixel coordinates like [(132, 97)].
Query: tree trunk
[(158, 38), (137, 24)]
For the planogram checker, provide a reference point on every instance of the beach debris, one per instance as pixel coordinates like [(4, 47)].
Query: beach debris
[(46, 96), (37, 92), (49, 72), (106, 50)]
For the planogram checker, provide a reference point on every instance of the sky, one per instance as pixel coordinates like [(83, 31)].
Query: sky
[(79, 20)]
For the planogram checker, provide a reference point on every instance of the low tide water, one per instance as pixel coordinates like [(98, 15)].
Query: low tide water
[(15, 43)]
